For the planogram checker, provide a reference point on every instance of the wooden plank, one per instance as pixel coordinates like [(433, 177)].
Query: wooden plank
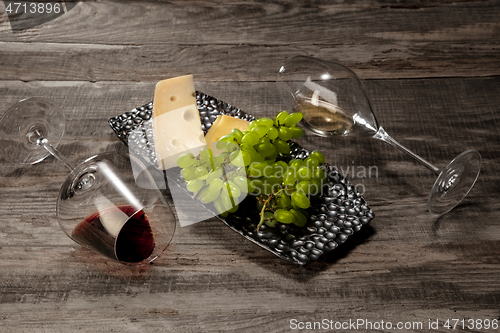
[(228, 291), (152, 40)]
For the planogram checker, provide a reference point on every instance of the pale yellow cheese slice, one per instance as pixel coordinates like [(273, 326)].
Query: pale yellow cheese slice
[(223, 125), (176, 121), (174, 93)]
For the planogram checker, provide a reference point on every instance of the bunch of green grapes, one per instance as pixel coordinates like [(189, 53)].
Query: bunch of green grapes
[(257, 161)]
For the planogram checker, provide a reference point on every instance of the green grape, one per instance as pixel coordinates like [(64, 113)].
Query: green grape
[(283, 201), (195, 185), (237, 159), (266, 188), (281, 146), (319, 173), (255, 157), (265, 149), (251, 186), (220, 159), (234, 209), (207, 195), (225, 141), (297, 132), (298, 218), (252, 125), (273, 180), (263, 140), (227, 138), (304, 187), (216, 185), (272, 134), (273, 184), (201, 173), (247, 157), (234, 191), (315, 187), (284, 133), (300, 200), (293, 119), (298, 164), (186, 160), (290, 176), (226, 200), (283, 216), (260, 130), (312, 162), (257, 185), (219, 206), (273, 156), (242, 183), (206, 157), (247, 147), (214, 174), (280, 118), (221, 144), (232, 146), (304, 173), (268, 215), (293, 162), (271, 223), (188, 173), (256, 169), (268, 170), (318, 155), (250, 138), (279, 169), (264, 121), (237, 134)]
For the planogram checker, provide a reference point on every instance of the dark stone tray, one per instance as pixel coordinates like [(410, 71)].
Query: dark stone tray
[(336, 214)]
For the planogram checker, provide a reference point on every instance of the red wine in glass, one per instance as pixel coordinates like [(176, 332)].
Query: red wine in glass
[(134, 243), (31, 129)]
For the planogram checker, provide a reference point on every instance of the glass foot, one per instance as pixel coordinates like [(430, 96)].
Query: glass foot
[(454, 182), (27, 122)]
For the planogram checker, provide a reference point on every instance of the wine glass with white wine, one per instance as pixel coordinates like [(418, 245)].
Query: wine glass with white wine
[(334, 103)]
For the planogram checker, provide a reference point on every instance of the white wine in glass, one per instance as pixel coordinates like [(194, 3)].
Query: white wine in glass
[(334, 103)]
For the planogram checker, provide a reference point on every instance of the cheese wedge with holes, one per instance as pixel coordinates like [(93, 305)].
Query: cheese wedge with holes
[(176, 121), (223, 125)]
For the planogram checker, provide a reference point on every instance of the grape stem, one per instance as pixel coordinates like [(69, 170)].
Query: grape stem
[(264, 206)]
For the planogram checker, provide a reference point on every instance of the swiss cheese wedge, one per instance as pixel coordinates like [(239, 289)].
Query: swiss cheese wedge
[(176, 121)]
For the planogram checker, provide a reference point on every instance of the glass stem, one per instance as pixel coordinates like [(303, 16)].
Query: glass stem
[(54, 152), (382, 135)]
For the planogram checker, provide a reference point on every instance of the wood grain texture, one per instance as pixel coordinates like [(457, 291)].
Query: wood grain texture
[(431, 70), (149, 40), (209, 280)]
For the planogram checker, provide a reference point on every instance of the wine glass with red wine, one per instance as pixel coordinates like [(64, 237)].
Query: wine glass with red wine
[(334, 103), (109, 203)]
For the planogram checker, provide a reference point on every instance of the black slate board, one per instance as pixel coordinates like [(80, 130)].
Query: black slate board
[(336, 214)]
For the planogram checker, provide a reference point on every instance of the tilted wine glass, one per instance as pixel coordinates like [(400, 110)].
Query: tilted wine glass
[(334, 103), (109, 202)]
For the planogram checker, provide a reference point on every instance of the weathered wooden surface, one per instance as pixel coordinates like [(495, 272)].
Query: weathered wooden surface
[(432, 72)]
